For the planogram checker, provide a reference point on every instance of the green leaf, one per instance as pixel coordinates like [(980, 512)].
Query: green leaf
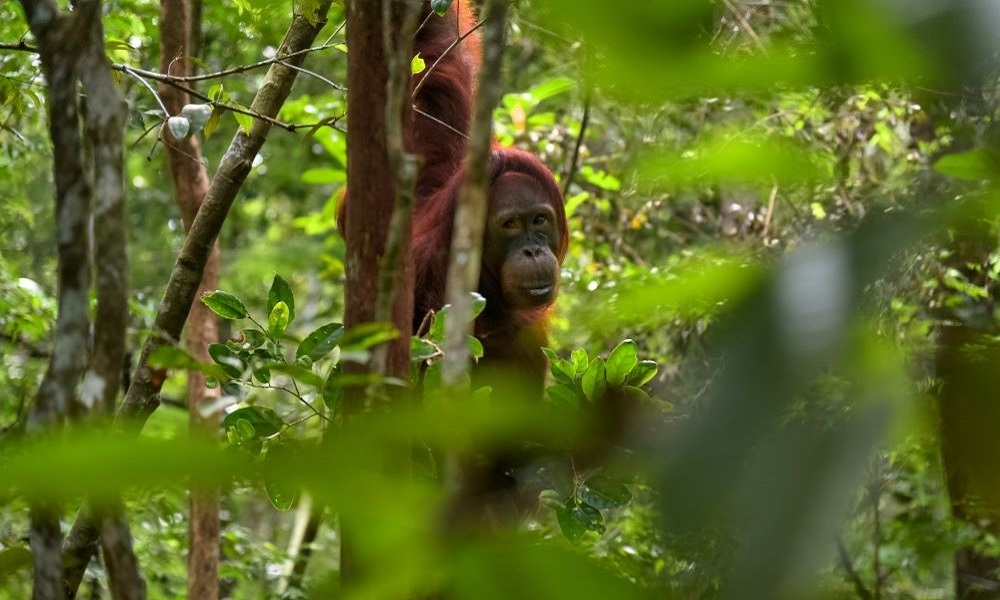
[(577, 518), (440, 6), (262, 374), (478, 304), (476, 350), (422, 349), (281, 292), (643, 373), (563, 371), (225, 305), (550, 354), (417, 64), (594, 380), (320, 342), (550, 88), (979, 164), (623, 359), (604, 492), (245, 121), (227, 359), (277, 320), (563, 395), (280, 492), (580, 361), (265, 422)]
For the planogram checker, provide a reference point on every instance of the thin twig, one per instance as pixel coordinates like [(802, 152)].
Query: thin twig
[(579, 142), (745, 25), (156, 76), (458, 40), (315, 75), (852, 573), (439, 122), (21, 46), (770, 213)]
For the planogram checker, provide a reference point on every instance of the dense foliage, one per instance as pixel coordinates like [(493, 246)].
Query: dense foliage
[(776, 211)]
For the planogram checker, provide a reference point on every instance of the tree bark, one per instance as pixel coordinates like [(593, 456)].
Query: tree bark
[(71, 48), (369, 210), (142, 396), (190, 179)]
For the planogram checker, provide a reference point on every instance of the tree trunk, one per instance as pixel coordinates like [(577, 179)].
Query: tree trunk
[(369, 209), (966, 363), (191, 184)]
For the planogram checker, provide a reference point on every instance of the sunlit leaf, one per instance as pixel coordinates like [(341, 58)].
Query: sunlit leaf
[(225, 305), (622, 360), (281, 292)]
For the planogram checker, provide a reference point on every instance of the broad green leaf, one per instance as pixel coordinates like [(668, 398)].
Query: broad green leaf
[(643, 373), (227, 359), (225, 305), (277, 320), (563, 395), (580, 361), (563, 371), (245, 121), (979, 164), (320, 342), (281, 292), (552, 87), (604, 492), (594, 380), (578, 518), (623, 359), (265, 422)]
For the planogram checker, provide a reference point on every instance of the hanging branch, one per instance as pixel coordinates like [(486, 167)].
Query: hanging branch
[(470, 213)]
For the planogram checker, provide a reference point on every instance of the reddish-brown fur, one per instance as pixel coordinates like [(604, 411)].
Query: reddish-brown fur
[(511, 337)]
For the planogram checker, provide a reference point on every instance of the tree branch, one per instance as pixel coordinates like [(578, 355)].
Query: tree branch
[(470, 212), (141, 398)]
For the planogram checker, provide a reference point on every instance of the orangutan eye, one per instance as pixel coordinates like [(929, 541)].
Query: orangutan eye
[(541, 220), (510, 224)]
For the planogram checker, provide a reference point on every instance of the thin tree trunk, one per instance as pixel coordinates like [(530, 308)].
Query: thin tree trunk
[(369, 211), (191, 184), (71, 50)]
